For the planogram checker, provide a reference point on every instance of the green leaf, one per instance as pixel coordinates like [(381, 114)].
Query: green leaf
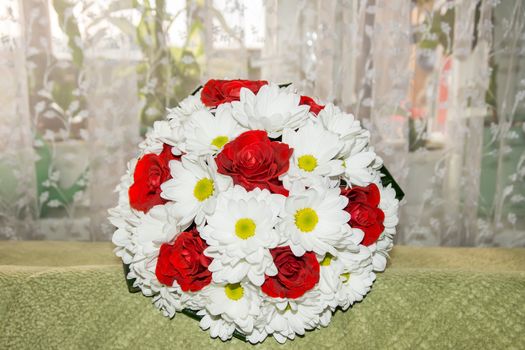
[(70, 27), (388, 179), (129, 282)]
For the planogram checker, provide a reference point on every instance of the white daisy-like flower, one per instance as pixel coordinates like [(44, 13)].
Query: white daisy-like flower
[(286, 318), (389, 205), (359, 168), (157, 226), (193, 187), (240, 233), (330, 268), (124, 218), (315, 220), (179, 117), (354, 137), (168, 301), (161, 133), (357, 278), (258, 335), (272, 109), (237, 303), (208, 133), (218, 327), (331, 276), (185, 109), (314, 153)]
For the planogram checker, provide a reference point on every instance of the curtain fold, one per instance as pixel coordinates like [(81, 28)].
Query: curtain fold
[(426, 78), (18, 193)]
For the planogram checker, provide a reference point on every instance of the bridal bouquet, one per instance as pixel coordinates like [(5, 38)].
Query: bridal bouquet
[(255, 210)]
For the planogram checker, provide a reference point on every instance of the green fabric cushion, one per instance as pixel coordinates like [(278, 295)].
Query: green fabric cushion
[(62, 295)]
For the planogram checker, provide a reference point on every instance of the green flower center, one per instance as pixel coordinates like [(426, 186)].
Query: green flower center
[(220, 141), (326, 260), (234, 291), (306, 219), (245, 228), (307, 162), (346, 276), (203, 189)]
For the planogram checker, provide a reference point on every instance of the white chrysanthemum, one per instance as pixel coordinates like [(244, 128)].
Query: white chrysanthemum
[(167, 300), (179, 117), (240, 233), (258, 335), (185, 109), (218, 327), (389, 205), (161, 133), (331, 276), (193, 188), (156, 227), (207, 134), (330, 268), (359, 168), (124, 218), (357, 278), (272, 109), (349, 130), (315, 220), (237, 303), (314, 153), (286, 318), (172, 298)]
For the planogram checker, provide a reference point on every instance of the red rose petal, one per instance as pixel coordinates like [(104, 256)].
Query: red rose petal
[(314, 107), (295, 275), (184, 261), (364, 212), (217, 92), (254, 161), (151, 171)]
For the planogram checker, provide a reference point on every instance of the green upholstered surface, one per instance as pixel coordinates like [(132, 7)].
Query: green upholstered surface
[(63, 295)]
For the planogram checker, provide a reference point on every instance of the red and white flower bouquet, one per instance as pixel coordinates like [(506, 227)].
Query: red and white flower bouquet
[(256, 210)]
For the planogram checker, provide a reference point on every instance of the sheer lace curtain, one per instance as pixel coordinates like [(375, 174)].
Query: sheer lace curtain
[(441, 84)]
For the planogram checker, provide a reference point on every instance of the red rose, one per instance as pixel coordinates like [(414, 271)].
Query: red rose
[(295, 274), (314, 107), (216, 92), (151, 171), (184, 262), (253, 161), (364, 212)]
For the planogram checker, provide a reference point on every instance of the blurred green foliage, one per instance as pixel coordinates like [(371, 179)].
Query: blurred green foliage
[(167, 74)]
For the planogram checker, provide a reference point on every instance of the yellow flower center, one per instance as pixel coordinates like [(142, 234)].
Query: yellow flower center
[(219, 141), (203, 189), (307, 162), (306, 219), (326, 260), (234, 291), (288, 308), (346, 276), (245, 228)]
